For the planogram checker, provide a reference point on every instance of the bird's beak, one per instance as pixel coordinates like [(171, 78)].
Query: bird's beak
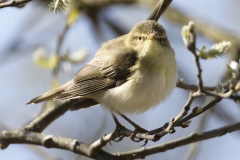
[(151, 36)]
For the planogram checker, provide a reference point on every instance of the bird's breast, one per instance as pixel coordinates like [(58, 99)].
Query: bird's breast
[(145, 88)]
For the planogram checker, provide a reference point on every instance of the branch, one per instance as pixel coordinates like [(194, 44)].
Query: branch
[(192, 87), (49, 141), (158, 133), (180, 120), (47, 117), (189, 39), (209, 91), (104, 3), (194, 114), (194, 147), (208, 30), (199, 71), (60, 40), (28, 134), (174, 121), (194, 137), (14, 3), (161, 6), (96, 146)]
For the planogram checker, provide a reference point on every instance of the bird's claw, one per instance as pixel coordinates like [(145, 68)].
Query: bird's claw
[(116, 137), (138, 129), (119, 139), (145, 142)]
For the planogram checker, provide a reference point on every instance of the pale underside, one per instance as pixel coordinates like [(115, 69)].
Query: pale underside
[(153, 80)]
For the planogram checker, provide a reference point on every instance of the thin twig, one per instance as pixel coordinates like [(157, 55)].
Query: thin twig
[(194, 137), (179, 120), (60, 40), (156, 134), (199, 71), (191, 45), (192, 115), (192, 87), (174, 121), (222, 95), (208, 91)]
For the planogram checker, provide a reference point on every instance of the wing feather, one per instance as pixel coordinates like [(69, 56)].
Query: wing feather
[(109, 68)]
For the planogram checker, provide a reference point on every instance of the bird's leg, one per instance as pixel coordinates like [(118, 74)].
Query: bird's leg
[(115, 134), (137, 129)]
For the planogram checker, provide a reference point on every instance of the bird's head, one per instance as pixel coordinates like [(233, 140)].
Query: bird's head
[(148, 37)]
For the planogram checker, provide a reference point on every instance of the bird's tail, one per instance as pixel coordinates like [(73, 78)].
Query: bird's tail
[(50, 94)]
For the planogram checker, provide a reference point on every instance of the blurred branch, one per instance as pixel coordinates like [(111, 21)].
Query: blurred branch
[(194, 147), (103, 3), (61, 37), (161, 6), (210, 31), (47, 117), (223, 114), (14, 3), (95, 136), (59, 44)]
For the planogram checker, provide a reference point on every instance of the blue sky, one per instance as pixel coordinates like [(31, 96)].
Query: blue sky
[(21, 80)]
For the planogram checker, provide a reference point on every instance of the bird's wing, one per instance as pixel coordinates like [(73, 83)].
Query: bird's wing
[(108, 69)]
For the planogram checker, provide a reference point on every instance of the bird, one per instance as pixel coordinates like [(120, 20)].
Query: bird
[(129, 74)]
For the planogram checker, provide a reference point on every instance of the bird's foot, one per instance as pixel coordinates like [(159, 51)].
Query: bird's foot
[(116, 136), (137, 129)]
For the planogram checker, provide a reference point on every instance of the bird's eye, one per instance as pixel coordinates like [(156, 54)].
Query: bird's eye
[(139, 38), (160, 40)]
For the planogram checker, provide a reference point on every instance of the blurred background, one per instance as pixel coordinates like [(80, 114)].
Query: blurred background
[(30, 44)]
